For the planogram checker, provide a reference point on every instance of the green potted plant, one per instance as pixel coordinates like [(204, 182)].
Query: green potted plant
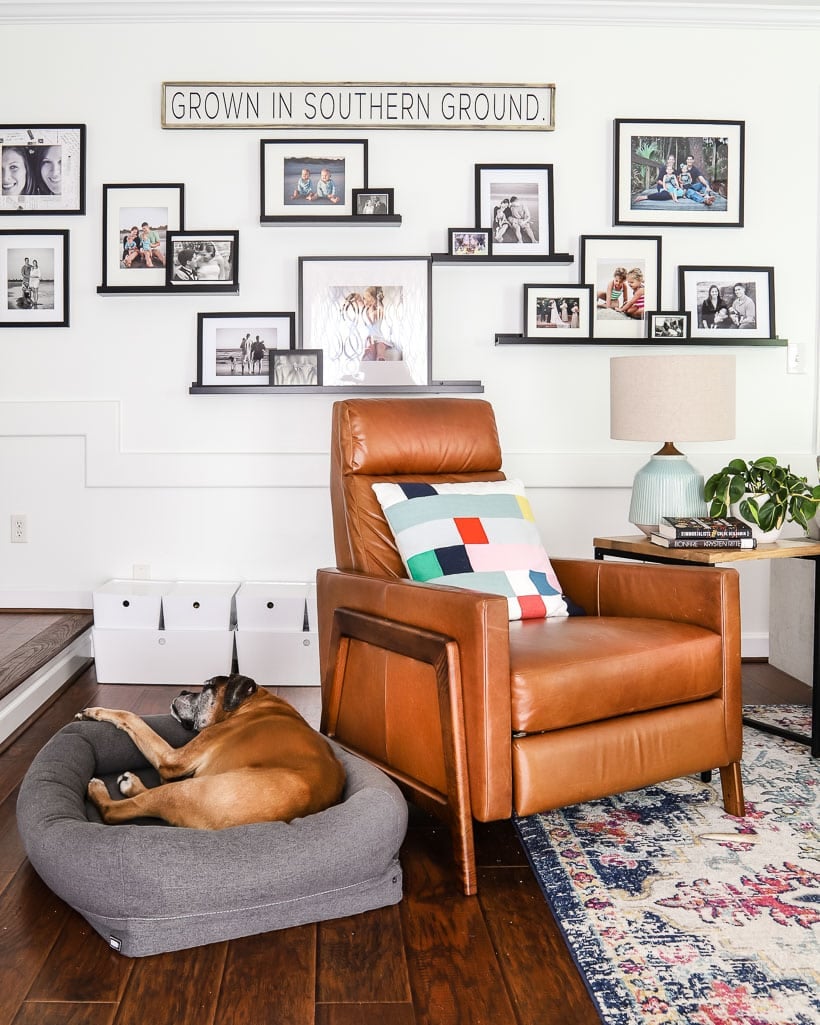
[(763, 493)]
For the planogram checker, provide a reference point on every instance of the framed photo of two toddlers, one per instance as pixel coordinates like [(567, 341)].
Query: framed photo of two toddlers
[(312, 179), (678, 172)]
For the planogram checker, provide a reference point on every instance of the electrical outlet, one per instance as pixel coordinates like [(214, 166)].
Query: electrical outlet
[(19, 528), (796, 358)]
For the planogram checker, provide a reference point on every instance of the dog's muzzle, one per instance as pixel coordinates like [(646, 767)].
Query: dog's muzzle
[(184, 708)]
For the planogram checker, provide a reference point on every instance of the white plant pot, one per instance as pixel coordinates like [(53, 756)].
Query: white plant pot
[(763, 537)]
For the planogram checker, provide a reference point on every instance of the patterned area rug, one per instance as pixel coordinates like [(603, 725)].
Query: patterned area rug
[(678, 913)]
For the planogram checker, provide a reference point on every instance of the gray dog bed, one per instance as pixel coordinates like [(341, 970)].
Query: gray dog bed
[(147, 887)]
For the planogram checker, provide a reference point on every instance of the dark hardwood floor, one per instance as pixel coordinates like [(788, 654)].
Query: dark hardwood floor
[(438, 958)]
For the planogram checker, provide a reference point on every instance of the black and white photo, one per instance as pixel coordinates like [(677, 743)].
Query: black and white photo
[(298, 367), (235, 348), (203, 261), (667, 325), (516, 202), (34, 272), (734, 303), (373, 202), (43, 169)]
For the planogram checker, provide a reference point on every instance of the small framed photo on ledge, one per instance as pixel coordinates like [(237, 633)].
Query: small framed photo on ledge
[(668, 325), (294, 367), (471, 243), (203, 261), (373, 202), (558, 313)]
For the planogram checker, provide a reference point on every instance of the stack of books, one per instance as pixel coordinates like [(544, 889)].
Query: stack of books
[(703, 532)]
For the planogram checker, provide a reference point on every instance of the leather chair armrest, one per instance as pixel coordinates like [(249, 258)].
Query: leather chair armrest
[(479, 624)]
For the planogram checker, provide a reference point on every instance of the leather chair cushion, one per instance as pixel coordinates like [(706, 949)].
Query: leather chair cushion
[(565, 672)]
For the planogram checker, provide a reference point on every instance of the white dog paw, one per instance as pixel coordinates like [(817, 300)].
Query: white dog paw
[(125, 782)]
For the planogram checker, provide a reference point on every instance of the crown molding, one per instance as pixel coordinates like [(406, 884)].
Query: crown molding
[(737, 13)]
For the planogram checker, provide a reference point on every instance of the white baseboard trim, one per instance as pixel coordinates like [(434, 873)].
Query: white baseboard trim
[(24, 701), (19, 599), (754, 645)]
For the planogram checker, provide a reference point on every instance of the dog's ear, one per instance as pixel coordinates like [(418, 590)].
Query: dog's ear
[(238, 689)]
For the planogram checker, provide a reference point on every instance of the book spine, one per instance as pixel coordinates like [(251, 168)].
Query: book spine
[(712, 542), (717, 535)]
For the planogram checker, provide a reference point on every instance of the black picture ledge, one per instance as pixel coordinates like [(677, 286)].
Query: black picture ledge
[(435, 388), (481, 260), (359, 220), (509, 339), (155, 290)]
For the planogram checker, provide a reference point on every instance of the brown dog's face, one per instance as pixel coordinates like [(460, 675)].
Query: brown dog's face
[(220, 697)]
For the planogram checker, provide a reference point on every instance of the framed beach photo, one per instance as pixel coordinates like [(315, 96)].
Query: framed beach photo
[(679, 172), (34, 273), (516, 201), (668, 325), (558, 313), (471, 243), (370, 316), (310, 179), (731, 303), (373, 202), (299, 367), (136, 223), (43, 169), (203, 261), (625, 274), (235, 348)]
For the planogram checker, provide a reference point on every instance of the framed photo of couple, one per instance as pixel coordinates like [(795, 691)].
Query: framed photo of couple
[(137, 220), (679, 172), (516, 202), (733, 304), (34, 275)]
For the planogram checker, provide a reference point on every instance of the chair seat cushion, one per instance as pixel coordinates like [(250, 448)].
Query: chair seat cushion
[(146, 887), (565, 672)]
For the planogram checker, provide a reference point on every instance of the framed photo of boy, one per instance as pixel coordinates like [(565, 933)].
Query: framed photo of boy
[(625, 274), (516, 201), (370, 316), (679, 172), (309, 179), (136, 223), (373, 202), (471, 243), (733, 303), (203, 261), (668, 325), (558, 313), (34, 273), (235, 348), (296, 367), (43, 169)]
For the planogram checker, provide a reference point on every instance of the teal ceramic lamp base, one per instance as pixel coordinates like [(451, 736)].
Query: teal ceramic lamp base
[(668, 485)]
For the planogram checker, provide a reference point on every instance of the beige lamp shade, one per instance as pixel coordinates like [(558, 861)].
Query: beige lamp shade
[(672, 398)]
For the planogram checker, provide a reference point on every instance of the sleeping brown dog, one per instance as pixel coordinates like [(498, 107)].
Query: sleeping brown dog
[(253, 759)]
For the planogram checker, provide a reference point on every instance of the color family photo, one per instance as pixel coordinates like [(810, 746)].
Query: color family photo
[(137, 220), (624, 271), (303, 179)]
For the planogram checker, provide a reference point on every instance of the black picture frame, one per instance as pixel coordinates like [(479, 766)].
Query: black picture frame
[(558, 312), (709, 322), (668, 326), (50, 169), (530, 235), (203, 261), (225, 340), (707, 159), (296, 368), (470, 243), (601, 257), (373, 202), (45, 304), (129, 206), (286, 196)]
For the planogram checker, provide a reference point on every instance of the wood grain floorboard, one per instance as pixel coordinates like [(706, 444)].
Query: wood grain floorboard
[(32, 1013), (27, 658)]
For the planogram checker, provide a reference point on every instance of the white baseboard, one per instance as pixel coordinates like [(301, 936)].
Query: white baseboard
[(25, 700), (17, 599), (754, 645)]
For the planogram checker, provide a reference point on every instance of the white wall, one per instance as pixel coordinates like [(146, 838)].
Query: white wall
[(114, 463)]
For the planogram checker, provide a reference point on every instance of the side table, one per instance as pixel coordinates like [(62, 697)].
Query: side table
[(640, 548)]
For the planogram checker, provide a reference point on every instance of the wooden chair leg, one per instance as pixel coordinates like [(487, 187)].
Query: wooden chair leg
[(441, 653), (731, 783)]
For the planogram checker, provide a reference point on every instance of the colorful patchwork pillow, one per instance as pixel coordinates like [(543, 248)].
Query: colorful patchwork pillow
[(479, 535)]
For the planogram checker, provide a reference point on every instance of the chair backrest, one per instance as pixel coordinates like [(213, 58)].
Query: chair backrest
[(426, 439)]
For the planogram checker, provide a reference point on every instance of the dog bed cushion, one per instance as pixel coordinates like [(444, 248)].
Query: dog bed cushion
[(146, 887)]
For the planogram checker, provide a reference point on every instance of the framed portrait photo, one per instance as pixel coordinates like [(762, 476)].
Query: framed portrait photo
[(625, 274), (679, 172), (373, 202), (516, 201), (299, 367), (471, 243), (370, 316), (668, 325), (729, 303), (203, 261), (43, 169), (136, 223), (558, 313), (34, 272), (310, 179), (235, 348)]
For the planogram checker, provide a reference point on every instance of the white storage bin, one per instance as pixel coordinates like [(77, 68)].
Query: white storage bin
[(129, 604), (199, 605), (162, 656), (270, 606), (277, 659)]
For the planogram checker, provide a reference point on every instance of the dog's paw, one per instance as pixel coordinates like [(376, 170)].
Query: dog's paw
[(130, 784), (97, 791), (87, 714)]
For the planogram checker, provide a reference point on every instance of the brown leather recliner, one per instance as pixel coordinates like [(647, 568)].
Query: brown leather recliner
[(476, 716)]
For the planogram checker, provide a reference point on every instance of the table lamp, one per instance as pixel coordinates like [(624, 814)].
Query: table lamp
[(658, 398)]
